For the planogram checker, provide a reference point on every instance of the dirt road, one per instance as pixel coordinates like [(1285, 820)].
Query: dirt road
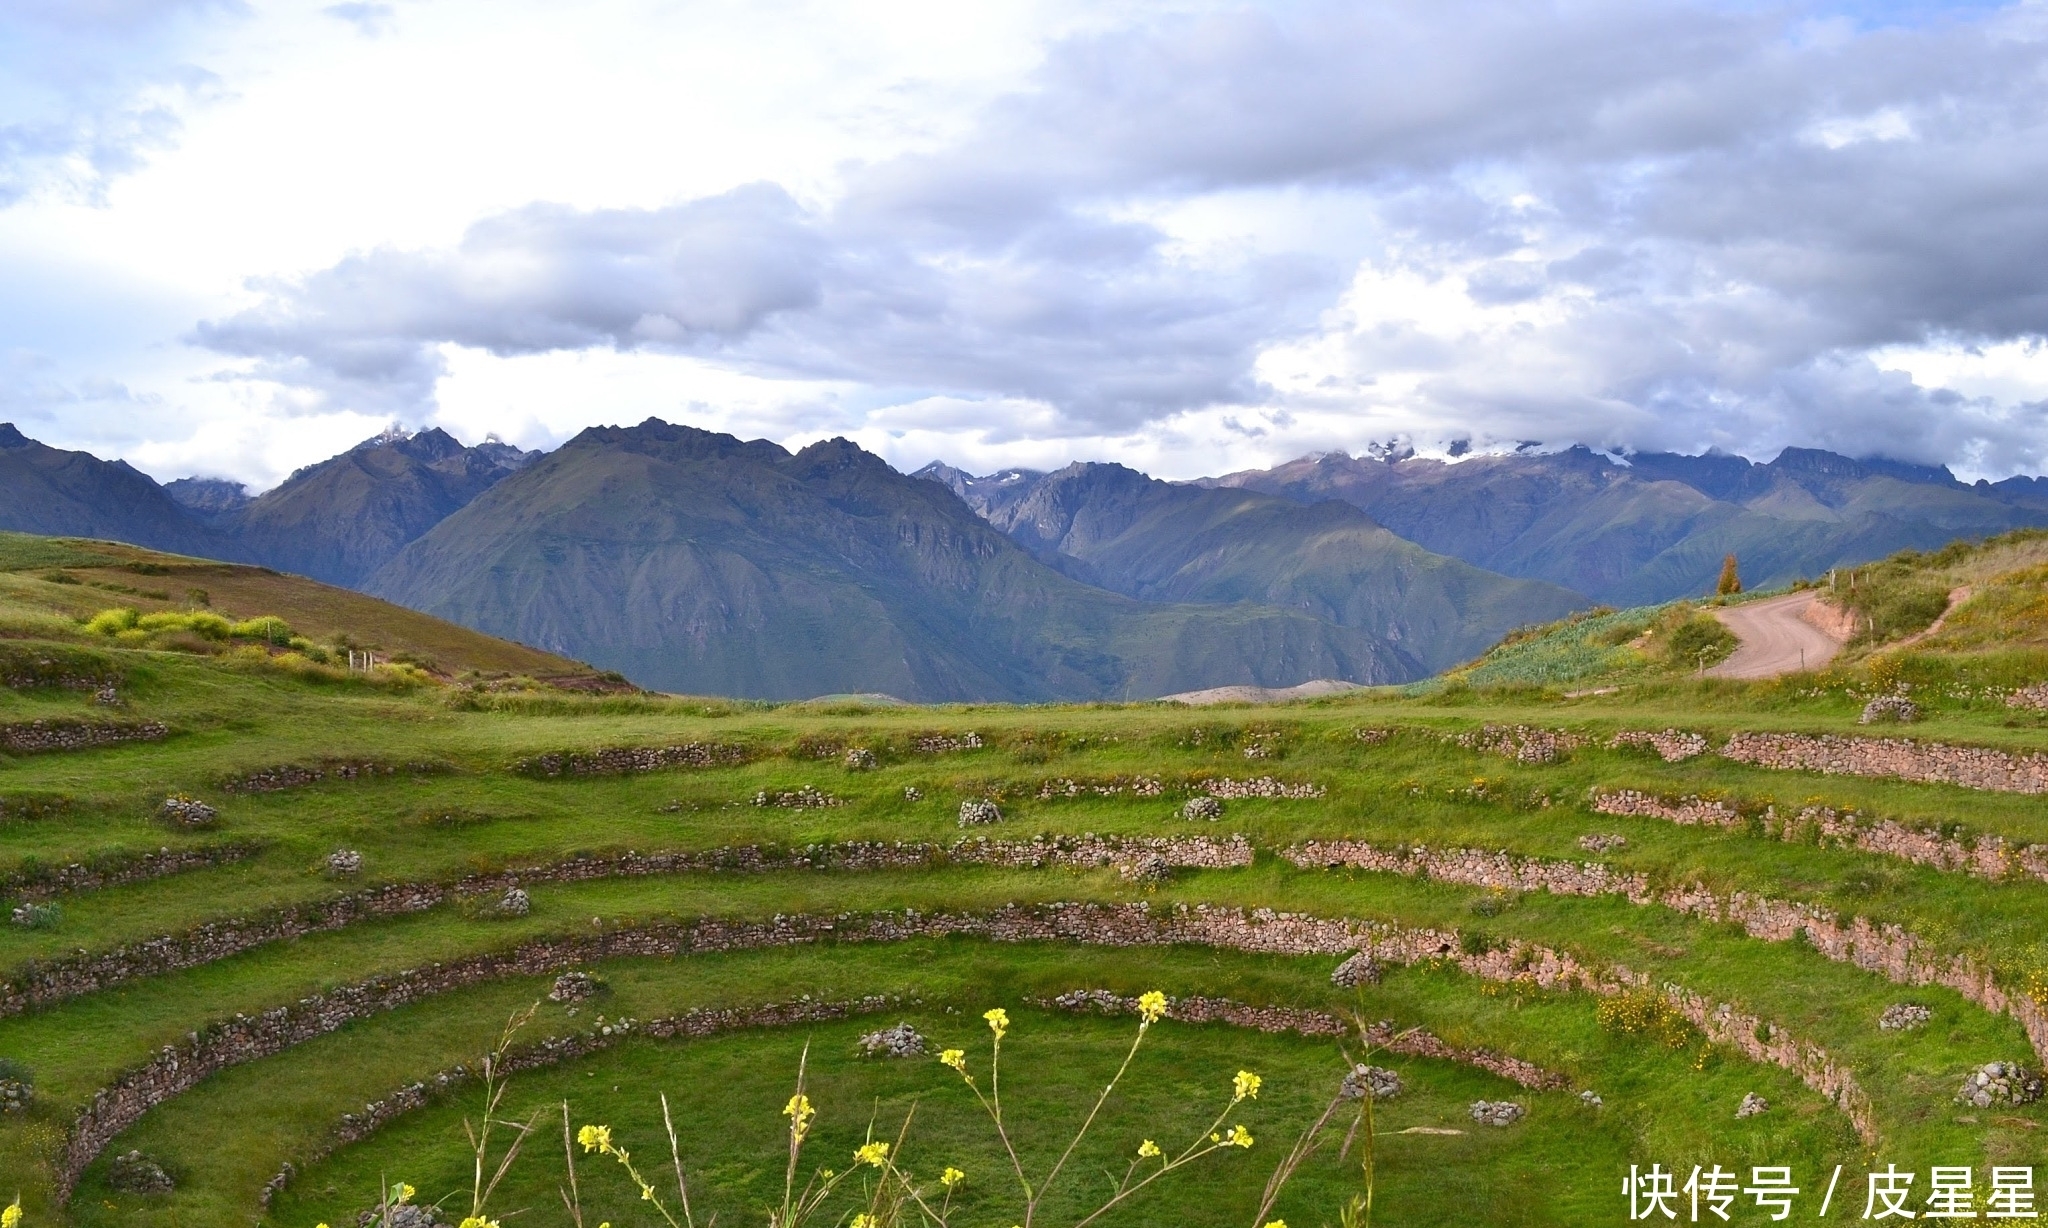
[(1775, 639)]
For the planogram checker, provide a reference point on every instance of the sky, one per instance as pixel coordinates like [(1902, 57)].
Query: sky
[(237, 237)]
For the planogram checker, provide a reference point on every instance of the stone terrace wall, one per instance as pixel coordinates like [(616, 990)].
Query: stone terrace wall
[(631, 759), (1888, 950), (1501, 871), (48, 982), (354, 1127), (115, 871), (1411, 1042), (35, 737), (296, 775), (1972, 767), (1985, 856), (177, 1068)]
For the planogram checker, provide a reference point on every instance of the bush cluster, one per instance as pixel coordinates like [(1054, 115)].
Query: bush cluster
[(1645, 1013)]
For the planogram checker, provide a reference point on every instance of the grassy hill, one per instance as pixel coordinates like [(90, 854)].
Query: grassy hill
[(698, 562), (49, 585), (1160, 541), (1626, 938), (1990, 597)]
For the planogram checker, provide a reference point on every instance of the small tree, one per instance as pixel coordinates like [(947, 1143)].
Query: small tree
[(1730, 582)]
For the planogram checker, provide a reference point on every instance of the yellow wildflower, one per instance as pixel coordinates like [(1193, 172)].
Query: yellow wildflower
[(1238, 1136), (1276, 1223), (799, 1112), (956, 1058), (12, 1215), (1148, 1149), (864, 1220), (595, 1138), (1151, 1006), (401, 1194), (1246, 1084), (951, 1177), (478, 1221), (876, 1153), (998, 1021)]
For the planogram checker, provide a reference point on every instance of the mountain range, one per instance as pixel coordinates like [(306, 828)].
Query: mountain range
[(1655, 525), (695, 561)]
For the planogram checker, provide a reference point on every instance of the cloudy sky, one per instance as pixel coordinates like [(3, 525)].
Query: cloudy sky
[(237, 236)]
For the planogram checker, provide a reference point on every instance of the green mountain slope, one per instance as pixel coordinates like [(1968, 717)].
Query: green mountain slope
[(1656, 528), (49, 585), (1159, 541), (341, 519), (53, 491), (696, 562)]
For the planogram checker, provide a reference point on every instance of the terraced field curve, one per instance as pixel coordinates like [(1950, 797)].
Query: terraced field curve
[(1629, 922)]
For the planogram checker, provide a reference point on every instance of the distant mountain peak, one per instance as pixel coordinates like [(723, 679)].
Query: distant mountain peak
[(11, 438), (209, 496)]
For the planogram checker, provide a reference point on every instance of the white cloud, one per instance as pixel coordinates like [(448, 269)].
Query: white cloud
[(1198, 234)]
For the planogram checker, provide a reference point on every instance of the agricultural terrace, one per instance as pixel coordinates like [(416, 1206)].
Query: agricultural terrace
[(268, 917)]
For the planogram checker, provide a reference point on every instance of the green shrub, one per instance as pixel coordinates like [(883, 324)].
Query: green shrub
[(110, 622), (269, 628), (1699, 639), (1646, 1013)]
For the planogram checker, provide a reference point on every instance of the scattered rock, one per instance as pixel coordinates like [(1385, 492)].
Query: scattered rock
[(1889, 708), (802, 798), (2034, 697), (1497, 1112), (514, 903), (860, 759), (107, 697), (1146, 868), (939, 744), (1360, 969), (407, 1215), (899, 1041), (911, 793), (1599, 843), (188, 811), (136, 1173), (1375, 1081), (1752, 1104), (571, 987), (15, 1095), (1671, 745), (976, 811), (344, 861), (1202, 808), (33, 916), (1591, 1099), (2000, 1083), (1904, 1017)]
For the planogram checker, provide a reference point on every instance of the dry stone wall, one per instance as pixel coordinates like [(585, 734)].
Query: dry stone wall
[(297, 775), (354, 1127), (1889, 950), (1410, 1042), (1971, 767), (114, 871), (244, 1038), (631, 759), (36, 737), (1985, 856), (46, 983)]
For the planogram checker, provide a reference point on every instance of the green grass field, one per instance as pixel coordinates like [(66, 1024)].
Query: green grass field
[(462, 797)]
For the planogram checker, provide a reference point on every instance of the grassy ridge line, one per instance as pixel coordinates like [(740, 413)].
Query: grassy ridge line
[(973, 979), (123, 1101), (698, 1024), (1898, 954), (98, 575), (1797, 987)]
